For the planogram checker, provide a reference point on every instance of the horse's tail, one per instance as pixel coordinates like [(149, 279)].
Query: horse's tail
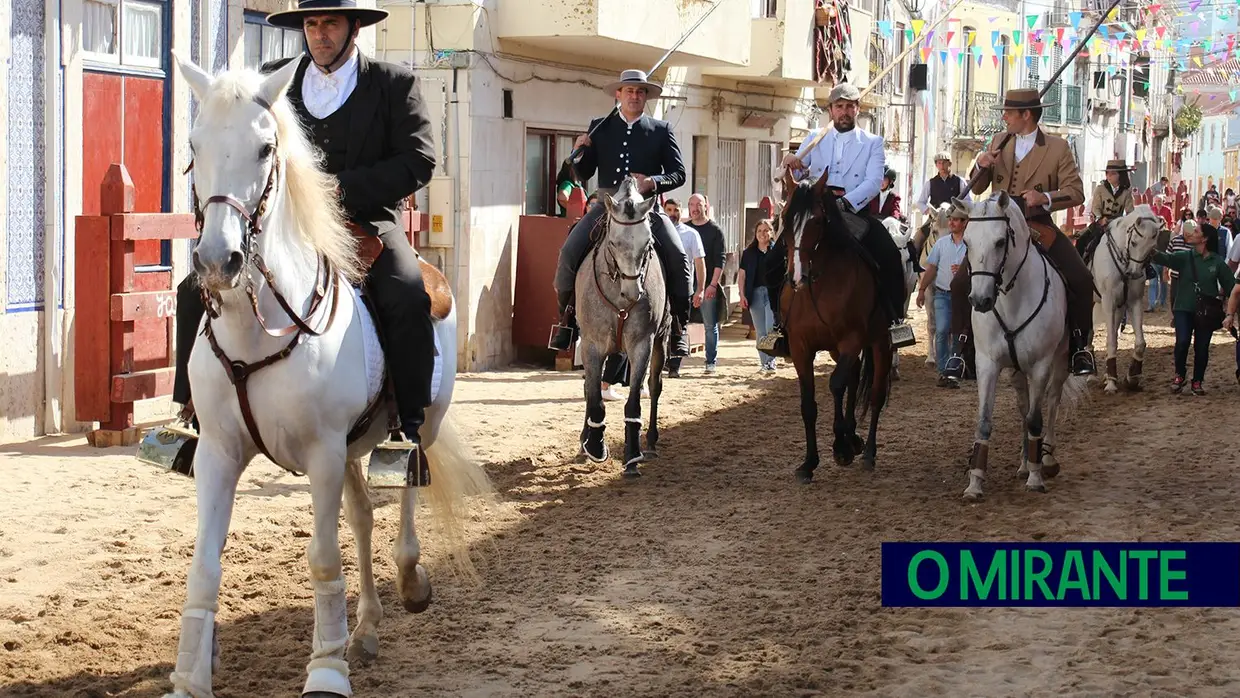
[(455, 478), (867, 380)]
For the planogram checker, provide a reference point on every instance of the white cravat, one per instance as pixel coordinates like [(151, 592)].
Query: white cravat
[(324, 93), (1025, 143)]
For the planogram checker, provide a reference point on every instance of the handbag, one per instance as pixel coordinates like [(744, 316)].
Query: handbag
[(1209, 313)]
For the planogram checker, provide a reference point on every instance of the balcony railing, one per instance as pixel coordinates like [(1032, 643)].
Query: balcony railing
[(1074, 105), (976, 118), (880, 57)]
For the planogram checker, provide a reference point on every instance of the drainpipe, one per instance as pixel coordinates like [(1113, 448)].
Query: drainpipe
[(52, 267), (457, 254)]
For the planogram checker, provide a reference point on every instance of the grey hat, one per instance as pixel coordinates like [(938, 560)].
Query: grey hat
[(845, 91), (636, 78)]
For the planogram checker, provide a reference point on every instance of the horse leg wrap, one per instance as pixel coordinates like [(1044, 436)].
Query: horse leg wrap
[(595, 425), (1112, 371), (327, 670), (1033, 450), (977, 460), (197, 655), (1134, 369)]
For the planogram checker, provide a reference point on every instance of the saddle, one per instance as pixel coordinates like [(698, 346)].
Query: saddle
[(435, 283)]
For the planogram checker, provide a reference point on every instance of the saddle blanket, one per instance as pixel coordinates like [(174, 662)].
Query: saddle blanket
[(373, 352)]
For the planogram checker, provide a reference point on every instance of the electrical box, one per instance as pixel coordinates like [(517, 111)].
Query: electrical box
[(439, 208)]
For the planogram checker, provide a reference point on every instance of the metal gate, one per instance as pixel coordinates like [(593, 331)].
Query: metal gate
[(729, 190)]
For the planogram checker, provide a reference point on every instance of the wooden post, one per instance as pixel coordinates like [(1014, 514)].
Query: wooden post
[(123, 350)]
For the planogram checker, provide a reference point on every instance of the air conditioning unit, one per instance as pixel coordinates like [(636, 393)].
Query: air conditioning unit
[(1105, 103), (1057, 19)]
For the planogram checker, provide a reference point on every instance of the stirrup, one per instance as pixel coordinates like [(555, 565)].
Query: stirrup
[(767, 342), (561, 338), (1083, 363), (902, 335), (954, 368)]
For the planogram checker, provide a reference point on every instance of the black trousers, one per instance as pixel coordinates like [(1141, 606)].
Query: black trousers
[(881, 248), (676, 264), (404, 313)]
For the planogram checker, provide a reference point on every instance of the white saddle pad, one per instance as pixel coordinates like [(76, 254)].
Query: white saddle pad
[(374, 353)]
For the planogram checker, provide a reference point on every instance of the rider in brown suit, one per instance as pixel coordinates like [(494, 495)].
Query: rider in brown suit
[(1037, 170)]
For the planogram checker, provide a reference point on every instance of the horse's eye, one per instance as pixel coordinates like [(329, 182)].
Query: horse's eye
[(266, 151), (1000, 244)]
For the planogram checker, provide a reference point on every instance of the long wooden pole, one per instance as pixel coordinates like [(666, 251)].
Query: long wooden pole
[(1042, 93)]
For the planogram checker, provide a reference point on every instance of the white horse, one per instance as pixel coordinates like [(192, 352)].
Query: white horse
[(303, 395), (938, 229), (1019, 322), (1118, 268), (901, 238)]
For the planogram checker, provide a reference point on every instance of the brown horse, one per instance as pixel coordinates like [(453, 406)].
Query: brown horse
[(830, 305)]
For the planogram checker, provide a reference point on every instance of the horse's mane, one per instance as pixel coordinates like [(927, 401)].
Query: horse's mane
[(804, 203), (311, 192)]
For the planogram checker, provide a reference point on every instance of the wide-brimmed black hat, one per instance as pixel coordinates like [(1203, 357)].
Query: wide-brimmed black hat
[(1022, 98), (292, 19)]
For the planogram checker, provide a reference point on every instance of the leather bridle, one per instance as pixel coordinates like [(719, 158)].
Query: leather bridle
[(1011, 334)]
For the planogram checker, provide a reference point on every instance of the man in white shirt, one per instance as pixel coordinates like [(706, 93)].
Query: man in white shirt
[(854, 162)]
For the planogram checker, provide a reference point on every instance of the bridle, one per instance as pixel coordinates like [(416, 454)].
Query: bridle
[(615, 274), (1010, 334), (1122, 258)]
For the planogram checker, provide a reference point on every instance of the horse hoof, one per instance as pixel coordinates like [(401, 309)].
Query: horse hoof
[(631, 471), (858, 444), (972, 496), (804, 477), (1110, 388), (650, 454), (364, 649), (1050, 470), (867, 462), (1036, 488), (842, 460), (415, 593)]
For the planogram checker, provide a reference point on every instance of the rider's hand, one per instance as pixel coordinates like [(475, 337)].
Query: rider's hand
[(1034, 198), (645, 185), (987, 158), (793, 161), (1229, 322), (583, 141)]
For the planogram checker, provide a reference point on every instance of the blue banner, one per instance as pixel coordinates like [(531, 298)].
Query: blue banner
[(1061, 574)]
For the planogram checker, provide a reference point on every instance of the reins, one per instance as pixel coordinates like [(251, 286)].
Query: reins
[(1009, 334), (614, 273)]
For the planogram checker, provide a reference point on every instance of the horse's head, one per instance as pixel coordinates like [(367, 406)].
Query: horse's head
[(996, 228), (938, 220), (234, 146), (1141, 228), (629, 242)]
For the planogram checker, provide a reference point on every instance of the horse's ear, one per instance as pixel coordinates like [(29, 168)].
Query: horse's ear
[(1004, 200), (821, 184), (643, 208), (198, 79), (609, 202), (275, 84)]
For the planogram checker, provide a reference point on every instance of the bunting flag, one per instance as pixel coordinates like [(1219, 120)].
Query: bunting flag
[(1031, 20), (925, 54), (1016, 37), (918, 25), (971, 38), (994, 40), (996, 60), (884, 27), (1075, 19), (908, 36), (948, 41)]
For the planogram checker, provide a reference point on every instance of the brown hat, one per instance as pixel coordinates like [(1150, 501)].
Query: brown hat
[(1118, 166), (1022, 98)]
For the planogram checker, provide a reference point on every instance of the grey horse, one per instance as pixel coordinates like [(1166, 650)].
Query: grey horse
[(622, 306)]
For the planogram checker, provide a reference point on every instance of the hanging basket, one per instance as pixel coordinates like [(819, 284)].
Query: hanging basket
[(822, 16)]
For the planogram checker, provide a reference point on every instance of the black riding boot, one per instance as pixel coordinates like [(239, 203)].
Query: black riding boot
[(679, 275), (891, 289), (404, 311), (189, 317), (576, 245)]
